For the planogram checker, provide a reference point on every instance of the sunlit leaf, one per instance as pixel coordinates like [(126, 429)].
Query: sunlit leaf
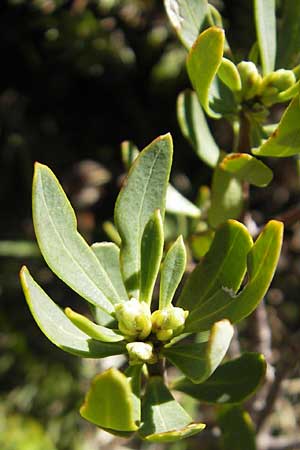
[(108, 403), (199, 360), (265, 21), (195, 129), (229, 74), (143, 192), (177, 204), (247, 168), (232, 382), (58, 328), (237, 429)]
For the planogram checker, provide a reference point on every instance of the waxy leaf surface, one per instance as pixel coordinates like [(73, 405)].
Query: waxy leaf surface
[(151, 253), (247, 168), (232, 382), (195, 129), (199, 360), (225, 303), (164, 420), (177, 204), (223, 265), (143, 192), (109, 403), (237, 429), (229, 74), (58, 328), (289, 35), (63, 248), (187, 18), (203, 62), (285, 140), (172, 270), (265, 20)]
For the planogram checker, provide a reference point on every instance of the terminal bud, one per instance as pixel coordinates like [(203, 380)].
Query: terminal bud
[(250, 78), (168, 322), (141, 352), (134, 319)]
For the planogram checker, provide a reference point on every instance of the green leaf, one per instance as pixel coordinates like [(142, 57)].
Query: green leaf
[(227, 200), (232, 382), (203, 62), (200, 243), (129, 153), (237, 429), (58, 328), (265, 21), (289, 35), (163, 419), (177, 204), (151, 253), (144, 191), (285, 140), (63, 248), (229, 74), (108, 403), (108, 255), (195, 129), (134, 375), (187, 17), (223, 265), (225, 303), (172, 271), (199, 360), (247, 168), (93, 330)]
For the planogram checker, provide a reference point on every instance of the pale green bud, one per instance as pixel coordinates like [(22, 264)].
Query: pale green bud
[(250, 78), (141, 352), (276, 82), (168, 322), (134, 319)]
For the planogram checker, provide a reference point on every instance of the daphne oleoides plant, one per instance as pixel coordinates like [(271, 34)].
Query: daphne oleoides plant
[(119, 282)]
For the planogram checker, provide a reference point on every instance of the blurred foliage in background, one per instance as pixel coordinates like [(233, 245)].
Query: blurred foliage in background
[(77, 78)]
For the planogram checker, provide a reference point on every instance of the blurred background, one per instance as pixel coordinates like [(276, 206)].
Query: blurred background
[(77, 78)]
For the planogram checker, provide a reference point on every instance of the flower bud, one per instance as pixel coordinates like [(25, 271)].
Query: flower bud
[(168, 322), (134, 319), (141, 352), (276, 82), (250, 78)]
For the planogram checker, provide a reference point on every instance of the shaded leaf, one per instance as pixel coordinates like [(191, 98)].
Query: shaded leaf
[(203, 62), (265, 21), (285, 140), (199, 360), (63, 248), (109, 403), (93, 330), (223, 265), (134, 375), (58, 328), (164, 420), (172, 270), (237, 429), (151, 253), (187, 18), (143, 192), (232, 382), (247, 168), (195, 129), (200, 243), (225, 303), (289, 35)]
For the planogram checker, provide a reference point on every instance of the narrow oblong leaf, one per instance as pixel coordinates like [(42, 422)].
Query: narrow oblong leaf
[(232, 382), (229, 74), (58, 328), (151, 253), (285, 140), (225, 303), (109, 403), (203, 62), (227, 199), (223, 265), (289, 35), (163, 419), (93, 330), (108, 255), (143, 192), (187, 17), (265, 21), (177, 204), (237, 429), (129, 153), (195, 129), (172, 270), (199, 360), (63, 248), (247, 168), (134, 375)]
